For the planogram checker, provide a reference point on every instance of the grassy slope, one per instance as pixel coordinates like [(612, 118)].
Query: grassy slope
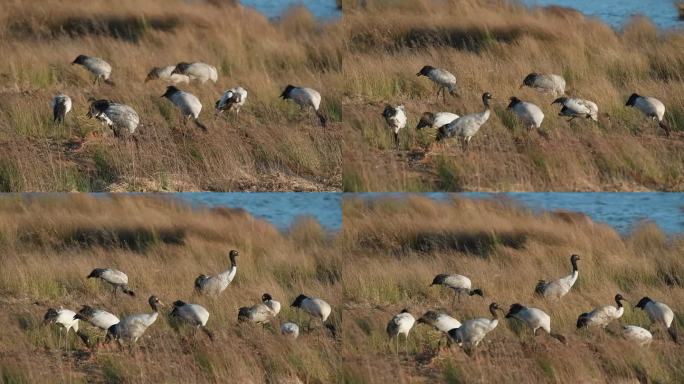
[(273, 146), (491, 46), (44, 264), (398, 246)]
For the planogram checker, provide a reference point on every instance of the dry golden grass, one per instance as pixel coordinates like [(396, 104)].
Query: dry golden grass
[(50, 243), (397, 246), (491, 46), (272, 146)]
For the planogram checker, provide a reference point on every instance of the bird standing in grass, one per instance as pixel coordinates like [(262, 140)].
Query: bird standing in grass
[(188, 104), (559, 288), (530, 114), (550, 83), (467, 126), (602, 316), (459, 283), (97, 317), (65, 319), (573, 108), (194, 315), (232, 100), (401, 324), (61, 105), (132, 327), (166, 74), (214, 285), (445, 80), (316, 308), (651, 107), (661, 314), (636, 334), (117, 279), (534, 318), (472, 332), (100, 68), (305, 98), (196, 71), (396, 119), (122, 119)]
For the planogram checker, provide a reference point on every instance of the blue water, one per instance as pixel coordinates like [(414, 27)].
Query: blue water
[(662, 13), (273, 9), (279, 208), (622, 211)]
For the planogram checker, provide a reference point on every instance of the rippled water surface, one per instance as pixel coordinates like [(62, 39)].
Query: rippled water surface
[(663, 13), (322, 9)]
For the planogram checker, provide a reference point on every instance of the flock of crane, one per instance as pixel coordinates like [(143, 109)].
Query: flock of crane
[(129, 329), (465, 127), (471, 332), (124, 120)]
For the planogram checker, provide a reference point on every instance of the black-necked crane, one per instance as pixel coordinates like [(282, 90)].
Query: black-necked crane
[(232, 100), (396, 120), (99, 318), (132, 327), (214, 285), (559, 288), (115, 278), (289, 329), (435, 119), (465, 127), (445, 80), (65, 319), (473, 331), (261, 313), (316, 308), (98, 67), (651, 107), (121, 118), (188, 104), (401, 324), (602, 316), (305, 98), (534, 318), (440, 321), (458, 283), (660, 314), (549, 83), (574, 107), (201, 72), (530, 114), (194, 315), (61, 105), (637, 335), (166, 74)]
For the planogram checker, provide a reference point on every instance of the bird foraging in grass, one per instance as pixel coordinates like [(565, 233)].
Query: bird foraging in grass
[(232, 100), (166, 74), (554, 84), (260, 313), (458, 283), (316, 308), (115, 278), (465, 127), (651, 107), (445, 80), (661, 314), (194, 315), (188, 104), (61, 105), (305, 98), (132, 327), (573, 108), (559, 288), (535, 319), (602, 316), (472, 332), (65, 319), (98, 67), (121, 118), (196, 71), (530, 114)]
